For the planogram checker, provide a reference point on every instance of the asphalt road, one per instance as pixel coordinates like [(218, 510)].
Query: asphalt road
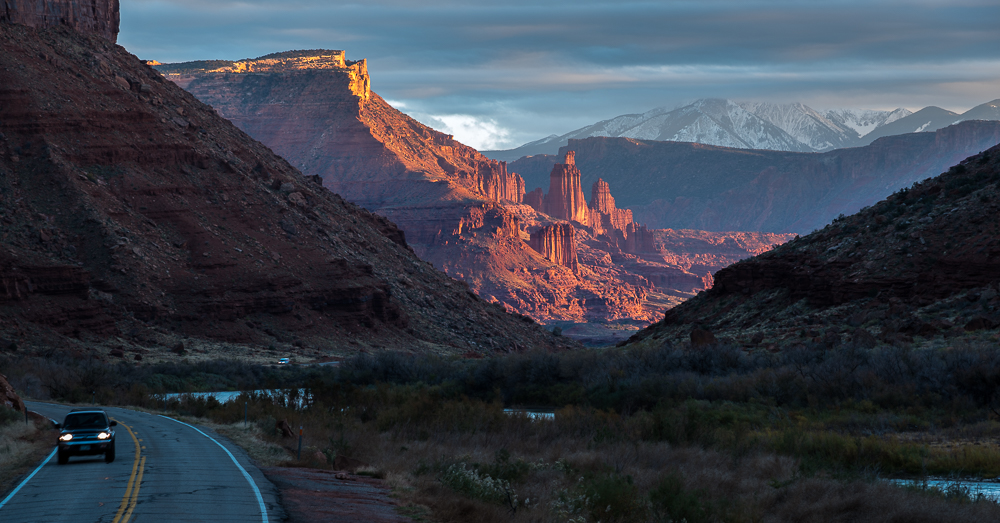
[(167, 472)]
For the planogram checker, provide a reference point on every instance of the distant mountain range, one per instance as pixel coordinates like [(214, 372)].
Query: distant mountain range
[(791, 127), (678, 185)]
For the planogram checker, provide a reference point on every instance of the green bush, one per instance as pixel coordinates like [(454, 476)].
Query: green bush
[(8, 416), (614, 497), (671, 502), (460, 478)]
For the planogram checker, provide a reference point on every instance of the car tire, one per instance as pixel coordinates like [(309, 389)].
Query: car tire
[(62, 457), (109, 455)]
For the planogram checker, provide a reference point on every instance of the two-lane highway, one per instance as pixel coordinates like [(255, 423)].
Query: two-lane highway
[(165, 471)]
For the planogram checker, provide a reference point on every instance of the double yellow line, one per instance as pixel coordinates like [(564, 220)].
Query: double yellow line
[(132, 491)]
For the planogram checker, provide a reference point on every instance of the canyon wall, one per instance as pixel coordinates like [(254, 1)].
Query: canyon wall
[(316, 109), (466, 214), (133, 214), (98, 17), (557, 242)]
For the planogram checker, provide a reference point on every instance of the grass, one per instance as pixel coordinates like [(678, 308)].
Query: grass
[(22, 447)]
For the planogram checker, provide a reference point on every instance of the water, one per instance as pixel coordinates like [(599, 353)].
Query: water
[(989, 490), (231, 395), (534, 414)]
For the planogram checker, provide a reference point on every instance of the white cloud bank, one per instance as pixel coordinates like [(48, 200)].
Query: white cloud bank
[(479, 133)]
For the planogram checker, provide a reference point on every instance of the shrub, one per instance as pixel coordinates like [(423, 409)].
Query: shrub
[(470, 482), (670, 501), (614, 497)]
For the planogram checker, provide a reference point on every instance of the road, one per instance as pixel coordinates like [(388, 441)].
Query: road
[(165, 471)]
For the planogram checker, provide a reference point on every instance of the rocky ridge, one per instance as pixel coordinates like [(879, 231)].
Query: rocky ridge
[(919, 266), (136, 219)]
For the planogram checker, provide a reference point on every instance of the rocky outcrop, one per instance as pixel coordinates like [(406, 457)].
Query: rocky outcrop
[(132, 213), (8, 397), (693, 186), (97, 17), (557, 243), (565, 201), (603, 213)]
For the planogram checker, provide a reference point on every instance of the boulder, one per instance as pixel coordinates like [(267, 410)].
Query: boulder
[(8, 397), (285, 429)]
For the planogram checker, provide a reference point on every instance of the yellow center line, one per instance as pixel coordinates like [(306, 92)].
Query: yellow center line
[(135, 493), (129, 499)]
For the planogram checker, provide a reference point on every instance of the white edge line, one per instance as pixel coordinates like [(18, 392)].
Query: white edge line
[(256, 491), (4, 502)]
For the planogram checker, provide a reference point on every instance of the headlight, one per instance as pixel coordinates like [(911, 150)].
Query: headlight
[(103, 435), (65, 437)]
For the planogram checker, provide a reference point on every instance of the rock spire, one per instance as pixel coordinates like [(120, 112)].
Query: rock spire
[(565, 199)]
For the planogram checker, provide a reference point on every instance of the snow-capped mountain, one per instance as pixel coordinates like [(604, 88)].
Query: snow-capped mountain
[(806, 125), (760, 125), (864, 121)]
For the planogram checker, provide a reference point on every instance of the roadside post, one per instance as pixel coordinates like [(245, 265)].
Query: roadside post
[(300, 442), (245, 414)]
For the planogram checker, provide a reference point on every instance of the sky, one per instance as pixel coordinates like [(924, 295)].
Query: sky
[(497, 74)]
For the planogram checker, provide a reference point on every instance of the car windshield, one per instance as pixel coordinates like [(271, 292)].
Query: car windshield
[(85, 420)]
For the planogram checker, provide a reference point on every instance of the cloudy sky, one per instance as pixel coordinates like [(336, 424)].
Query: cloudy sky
[(500, 73)]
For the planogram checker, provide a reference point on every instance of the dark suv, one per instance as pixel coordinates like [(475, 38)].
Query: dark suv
[(86, 432)]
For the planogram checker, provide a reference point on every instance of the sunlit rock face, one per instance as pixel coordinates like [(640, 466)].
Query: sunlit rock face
[(97, 17), (565, 197), (557, 242)]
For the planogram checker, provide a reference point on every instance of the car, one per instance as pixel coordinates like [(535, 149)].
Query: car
[(86, 432), (283, 361)]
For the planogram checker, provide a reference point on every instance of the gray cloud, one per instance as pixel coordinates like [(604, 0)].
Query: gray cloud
[(535, 68)]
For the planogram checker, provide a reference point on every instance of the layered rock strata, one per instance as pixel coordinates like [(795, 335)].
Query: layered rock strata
[(97, 17), (134, 216), (557, 242), (565, 201), (316, 109)]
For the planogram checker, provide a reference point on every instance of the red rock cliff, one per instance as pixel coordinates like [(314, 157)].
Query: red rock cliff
[(98, 17), (565, 198), (316, 109), (131, 213), (557, 243), (604, 216)]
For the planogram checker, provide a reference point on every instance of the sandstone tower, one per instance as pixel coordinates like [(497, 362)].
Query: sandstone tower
[(565, 199)]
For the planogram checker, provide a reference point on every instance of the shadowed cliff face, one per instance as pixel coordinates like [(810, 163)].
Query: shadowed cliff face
[(134, 215), (918, 265), (97, 17)]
